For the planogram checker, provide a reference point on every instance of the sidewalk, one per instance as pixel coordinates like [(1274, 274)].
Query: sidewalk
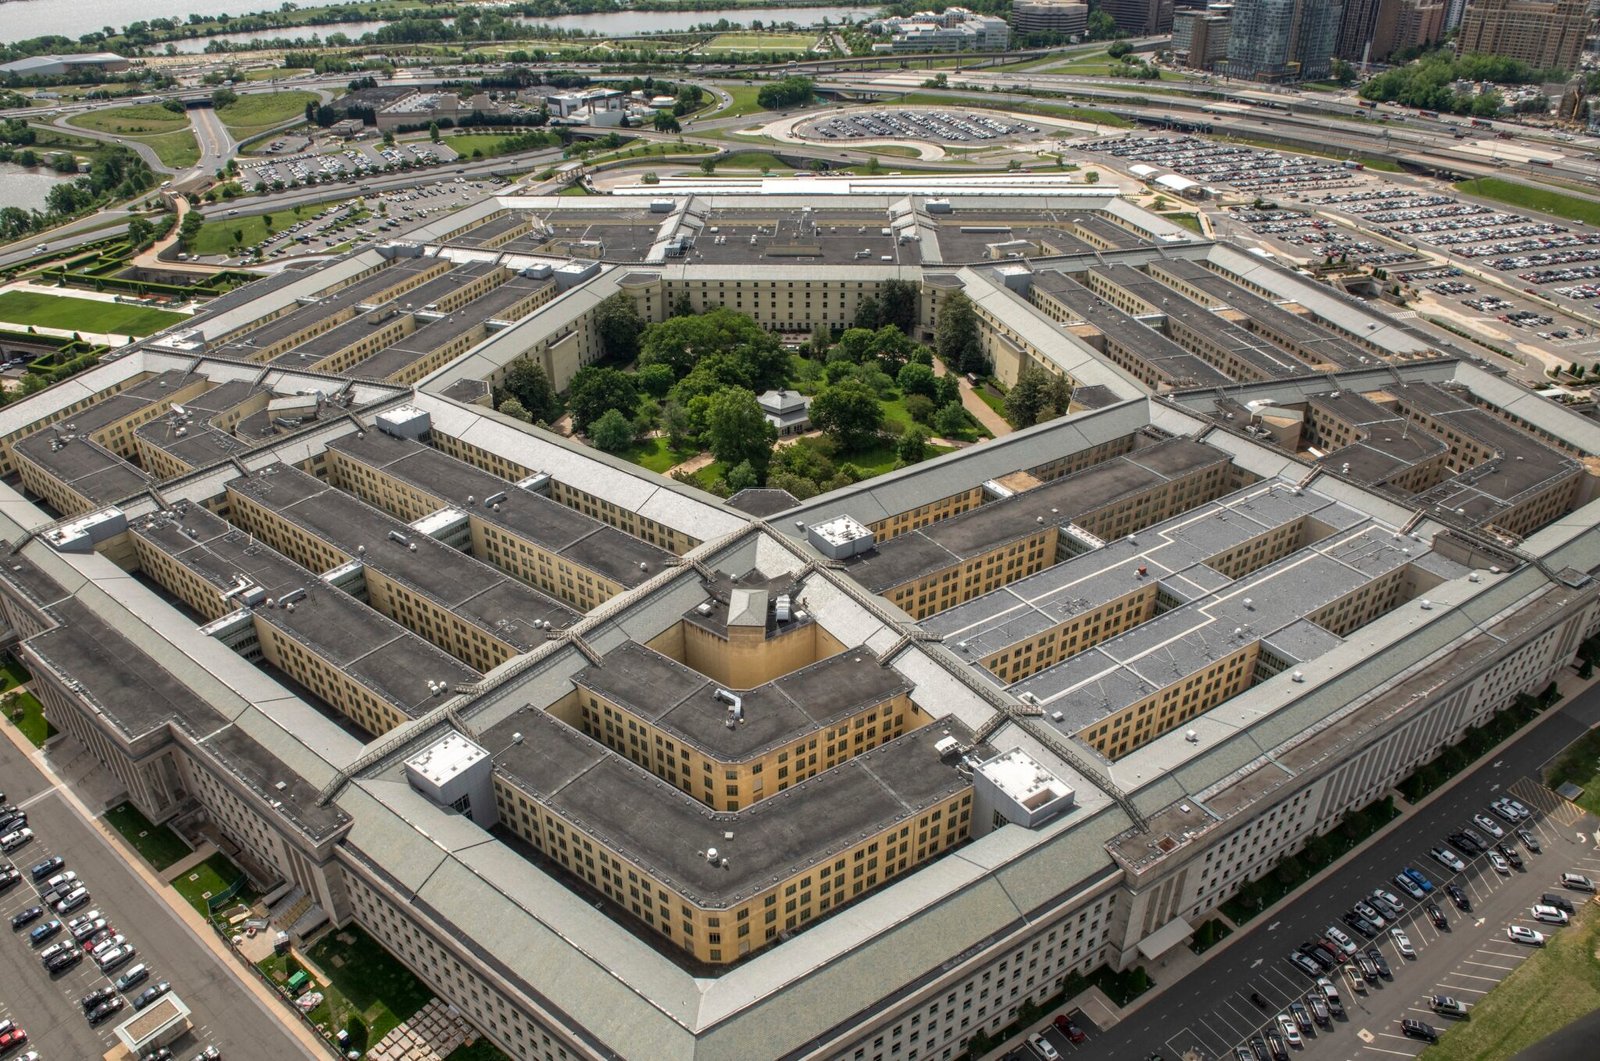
[(980, 410), (1181, 961), (197, 926)]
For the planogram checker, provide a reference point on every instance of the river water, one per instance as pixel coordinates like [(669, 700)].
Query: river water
[(73, 18), (27, 188)]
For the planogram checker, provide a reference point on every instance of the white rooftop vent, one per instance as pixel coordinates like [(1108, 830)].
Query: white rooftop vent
[(1192, 737)]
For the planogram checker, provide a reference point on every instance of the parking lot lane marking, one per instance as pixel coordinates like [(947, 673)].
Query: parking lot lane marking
[(1397, 1053)]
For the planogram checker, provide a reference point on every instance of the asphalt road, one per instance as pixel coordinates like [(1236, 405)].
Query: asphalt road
[(224, 1014), (1210, 1011)]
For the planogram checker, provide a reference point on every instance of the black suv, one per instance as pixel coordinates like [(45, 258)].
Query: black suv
[(1560, 902), (1458, 897), (1416, 1029)]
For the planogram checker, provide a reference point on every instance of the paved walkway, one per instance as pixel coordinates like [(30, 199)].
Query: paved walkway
[(975, 405), (189, 861), (247, 985)]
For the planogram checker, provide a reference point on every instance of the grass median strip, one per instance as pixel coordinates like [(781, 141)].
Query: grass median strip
[(1571, 207), (1553, 988)]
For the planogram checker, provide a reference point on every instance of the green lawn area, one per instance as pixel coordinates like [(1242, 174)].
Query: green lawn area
[(33, 724), (209, 878), (894, 150), (82, 314), (464, 144), (159, 845), (1554, 987), (216, 237), (744, 102), (752, 160), (759, 42), (12, 673), (149, 123), (653, 454), (1580, 764), (366, 980), (141, 119), (1188, 221), (262, 110), (1571, 207)]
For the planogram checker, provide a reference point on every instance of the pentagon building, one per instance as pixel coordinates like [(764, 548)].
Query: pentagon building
[(622, 770)]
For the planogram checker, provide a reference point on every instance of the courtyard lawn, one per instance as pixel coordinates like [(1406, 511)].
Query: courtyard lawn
[(1571, 207), (211, 877), (1556, 985), (32, 722), (83, 314), (157, 844), (258, 111), (12, 674), (367, 981), (652, 454)]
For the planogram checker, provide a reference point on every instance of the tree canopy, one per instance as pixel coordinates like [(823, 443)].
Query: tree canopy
[(737, 432), (595, 390), (617, 320), (1036, 396), (956, 337), (849, 413)]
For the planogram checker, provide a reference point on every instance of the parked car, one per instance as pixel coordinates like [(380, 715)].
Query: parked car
[(1501, 866), (1302, 1016), (1408, 885), (1042, 1048), (11, 841), (155, 991), (115, 957), (40, 933), (1402, 943), (1446, 1006), (65, 960), (1465, 844), (1416, 1029), (107, 1009), (43, 869), (1577, 882), (1370, 912), (1359, 924), (134, 976), (26, 917), (1458, 897), (1319, 1008), (97, 996), (1436, 915), (1509, 853), (1559, 901), (1447, 859), (1549, 915), (1369, 968), (1390, 903), (1488, 825), (1529, 841), (1380, 962), (1421, 881), (1305, 964), (12, 1039), (1289, 1029), (1518, 934)]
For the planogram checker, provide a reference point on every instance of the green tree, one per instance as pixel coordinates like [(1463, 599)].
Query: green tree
[(679, 426), (526, 382), (1119, 49), (190, 229), (433, 131), (737, 432), (597, 389), (515, 409), (789, 92), (139, 230), (946, 389), (666, 123), (950, 420), (612, 432), (742, 476), (617, 320), (1092, 177), (900, 300), (916, 379), (1037, 395), (224, 97), (708, 166), (869, 314), (913, 445), (849, 413), (919, 407), (956, 337)]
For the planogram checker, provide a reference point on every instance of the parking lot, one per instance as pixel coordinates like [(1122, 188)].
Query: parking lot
[(1502, 239), (943, 126), (354, 160), (1204, 1004), (1239, 167), (47, 1005), (1303, 234)]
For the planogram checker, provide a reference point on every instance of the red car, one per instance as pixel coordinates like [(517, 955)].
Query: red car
[(12, 1039), (1065, 1026)]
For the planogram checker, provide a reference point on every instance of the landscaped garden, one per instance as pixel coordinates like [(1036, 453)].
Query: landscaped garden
[(27, 714), (37, 309), (207, 882), (682, 396)]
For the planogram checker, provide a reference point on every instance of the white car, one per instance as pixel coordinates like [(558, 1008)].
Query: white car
[(1042, 1048), (1291, 1030), (1501, 866), (12, 841), (107, 944), (1518, 934), (1402, 943), (1549, 915), (1489, 825), (1344, 942), (1447, 858)]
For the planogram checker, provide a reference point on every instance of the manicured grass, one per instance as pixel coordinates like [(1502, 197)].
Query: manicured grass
[(211, 877), (744, 102), (12, 674), (82, 314), (895, 150), (216, 237), (752, 160), (33, 724), (1554, 987), (464, 144), (368, 981), (158, 845), (1571, 207), (653, 454), (1580, 765), (141, 119), (176, 150), (1188, 221), (759, 42), (261, 110)]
